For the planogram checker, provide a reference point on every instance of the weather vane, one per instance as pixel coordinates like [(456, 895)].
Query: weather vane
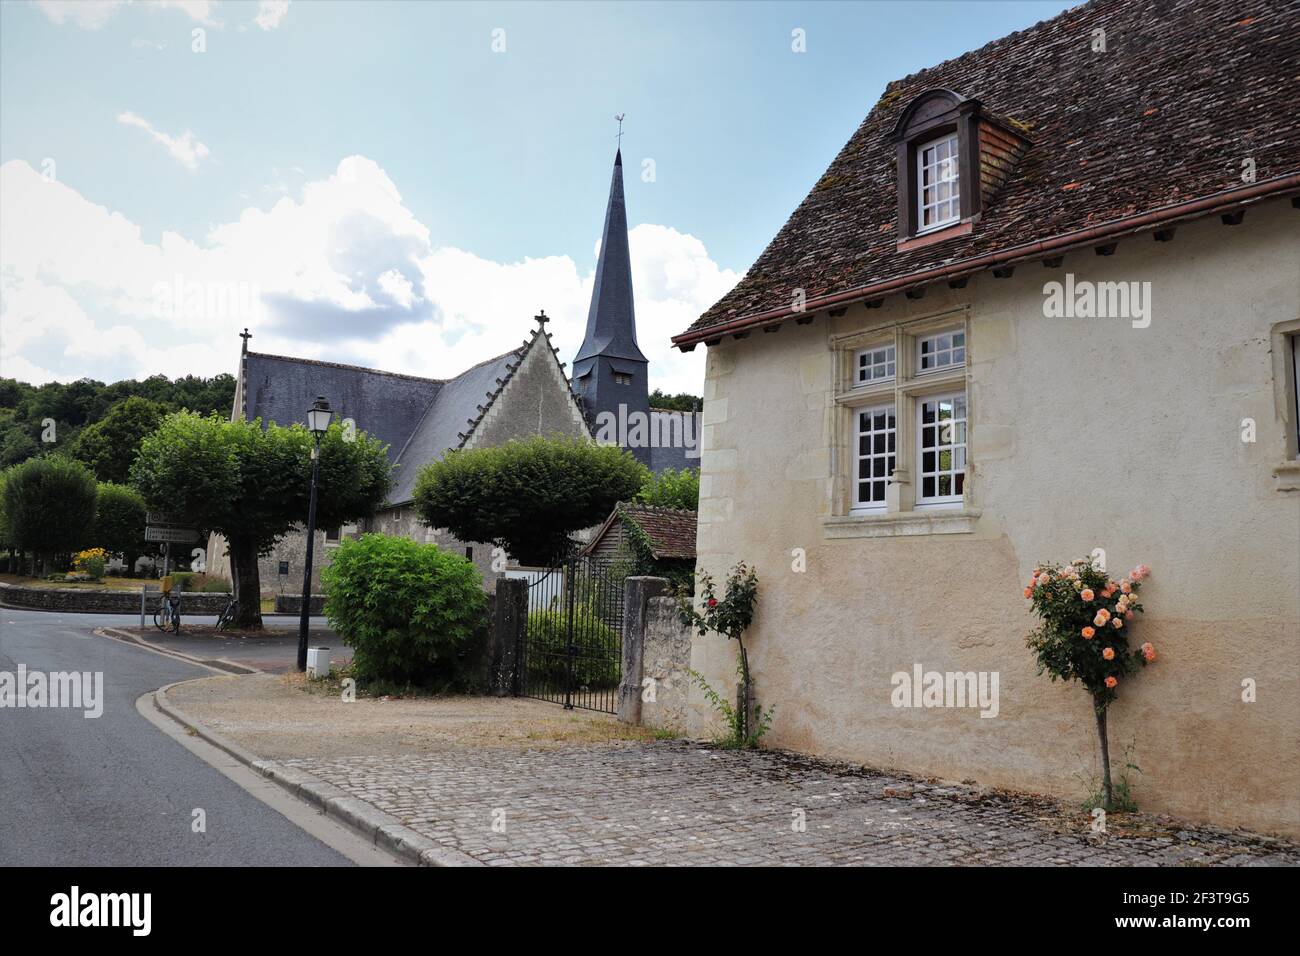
[(619, 117)]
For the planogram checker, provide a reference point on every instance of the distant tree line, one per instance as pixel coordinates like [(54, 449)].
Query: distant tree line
[(101, 425), (681, 402)]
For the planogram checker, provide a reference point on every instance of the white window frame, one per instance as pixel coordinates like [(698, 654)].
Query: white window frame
[(951, 445), (888, 363), (1295, 386), (951, 350), (890, 432), (953, 199)]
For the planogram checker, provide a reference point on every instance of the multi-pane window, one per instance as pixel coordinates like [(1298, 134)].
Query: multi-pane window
[(938, 186), (945, 350), (876, 433), (622, 378), (876, 365), (942, 447)]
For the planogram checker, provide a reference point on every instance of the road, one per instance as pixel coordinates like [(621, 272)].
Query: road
[(115, 790)]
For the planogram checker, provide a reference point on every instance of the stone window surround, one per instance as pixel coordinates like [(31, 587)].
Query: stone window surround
[(1282, 342), (902, 516)]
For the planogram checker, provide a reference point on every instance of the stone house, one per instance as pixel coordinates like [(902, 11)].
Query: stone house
[(1044, 304)]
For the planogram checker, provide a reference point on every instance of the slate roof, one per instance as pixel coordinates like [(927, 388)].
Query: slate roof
[(1184, 92), (611, 318), (674, 456), (386, 405), (445, 423)]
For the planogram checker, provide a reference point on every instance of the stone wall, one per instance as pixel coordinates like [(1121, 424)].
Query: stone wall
[(292, 604), (665, 658), (88, 601), (656, 657)]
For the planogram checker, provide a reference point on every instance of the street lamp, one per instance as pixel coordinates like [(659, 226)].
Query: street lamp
[(318, 420)]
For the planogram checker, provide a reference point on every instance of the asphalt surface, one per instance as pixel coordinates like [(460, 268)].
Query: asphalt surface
[(115, 790), (273, 651)]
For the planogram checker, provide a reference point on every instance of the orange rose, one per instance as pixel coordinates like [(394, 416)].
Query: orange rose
[(1111, 682), (1148, 652), (1029, 592), (1086, 594), (1108, 653), (1117, 623), (1087, 633)]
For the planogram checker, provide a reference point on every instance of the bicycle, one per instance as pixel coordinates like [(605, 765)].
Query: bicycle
[(228, 615), (168, 615)]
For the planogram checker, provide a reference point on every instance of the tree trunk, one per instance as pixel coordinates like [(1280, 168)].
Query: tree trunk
[(247, 582), (1108, 793), (744, 717)]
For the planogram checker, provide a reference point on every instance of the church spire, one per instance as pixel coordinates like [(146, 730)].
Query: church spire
[(611, 320)]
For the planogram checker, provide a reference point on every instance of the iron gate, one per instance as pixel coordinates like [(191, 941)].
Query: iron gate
[(572, 650)]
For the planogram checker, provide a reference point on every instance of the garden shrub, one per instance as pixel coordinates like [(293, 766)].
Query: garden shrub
[(216, 586), (182, 580), (597, 645), (412, 612)]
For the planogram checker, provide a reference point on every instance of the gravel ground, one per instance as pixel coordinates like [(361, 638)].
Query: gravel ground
[(284, 716)]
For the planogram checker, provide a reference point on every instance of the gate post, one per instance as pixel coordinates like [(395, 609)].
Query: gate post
[(636, 592), (509, 619)]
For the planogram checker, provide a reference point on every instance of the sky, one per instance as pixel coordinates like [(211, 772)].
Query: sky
[(404, 185)]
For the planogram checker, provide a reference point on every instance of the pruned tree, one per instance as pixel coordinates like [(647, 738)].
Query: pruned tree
[(119, 522), (49, 506), (250, 485), (527, 496)]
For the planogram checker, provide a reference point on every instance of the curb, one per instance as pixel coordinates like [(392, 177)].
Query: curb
[(213, 663), (382, 829)]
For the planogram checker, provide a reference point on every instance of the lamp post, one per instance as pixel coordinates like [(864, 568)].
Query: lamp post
[(318, 420)]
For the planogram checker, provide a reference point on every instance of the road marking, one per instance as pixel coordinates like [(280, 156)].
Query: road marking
[(304, 815)]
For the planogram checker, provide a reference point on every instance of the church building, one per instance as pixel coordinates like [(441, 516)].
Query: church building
[(518, 394)]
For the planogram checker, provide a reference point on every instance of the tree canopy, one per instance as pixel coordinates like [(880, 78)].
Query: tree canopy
[(110, 445), (25, 409), (681, 402), (49, 505), (527, 496), (119, 522), (672, 489), (250, 484)]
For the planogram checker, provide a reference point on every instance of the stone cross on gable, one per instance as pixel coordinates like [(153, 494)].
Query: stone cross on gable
[(542, 318), (245, 335)]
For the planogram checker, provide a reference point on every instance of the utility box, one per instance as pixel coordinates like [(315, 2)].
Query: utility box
[(318, 662)]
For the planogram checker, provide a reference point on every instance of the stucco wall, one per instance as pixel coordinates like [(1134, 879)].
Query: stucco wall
[(1084, 433)]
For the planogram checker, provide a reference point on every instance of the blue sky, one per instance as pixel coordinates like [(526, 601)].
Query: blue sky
[(471, 165)]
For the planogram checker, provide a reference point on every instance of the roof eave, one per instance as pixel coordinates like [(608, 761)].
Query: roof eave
[(1038, 249)]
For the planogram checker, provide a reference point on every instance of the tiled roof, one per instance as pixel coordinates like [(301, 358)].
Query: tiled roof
[(671, 531), (1153, 128)]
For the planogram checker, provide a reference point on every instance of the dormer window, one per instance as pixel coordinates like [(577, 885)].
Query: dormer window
[(938, 151), (938, 177), (622, 378)]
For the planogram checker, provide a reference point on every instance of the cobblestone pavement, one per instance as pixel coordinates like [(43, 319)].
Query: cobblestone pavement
[(679, 803)]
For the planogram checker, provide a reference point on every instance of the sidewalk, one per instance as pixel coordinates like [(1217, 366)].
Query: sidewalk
[(507, 781)]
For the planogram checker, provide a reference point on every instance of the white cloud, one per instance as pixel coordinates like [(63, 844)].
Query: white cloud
[(185, 148), (270, 13), (93, 14), (87, 14), (342, 271)]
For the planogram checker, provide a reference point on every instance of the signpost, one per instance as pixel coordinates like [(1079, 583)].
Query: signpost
[(168, 529)]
